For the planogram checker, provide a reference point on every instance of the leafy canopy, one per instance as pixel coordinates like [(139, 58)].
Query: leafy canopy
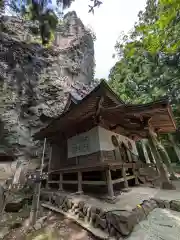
[(143, 73), (161, 34)]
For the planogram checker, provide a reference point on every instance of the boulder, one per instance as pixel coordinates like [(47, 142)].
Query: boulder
[(122, 221), (44, 196), (175, 205), (100, 222), (138, 214), (80, 215), (153, 203), (37, 226), (15, 205), (4, 231), (81, 205), (112, 231), (85, 208), (68, 203), (162, 203), (60, 200), (148, 206), (16, 225)]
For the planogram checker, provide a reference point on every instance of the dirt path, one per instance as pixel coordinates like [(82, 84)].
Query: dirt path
[(56, 228)]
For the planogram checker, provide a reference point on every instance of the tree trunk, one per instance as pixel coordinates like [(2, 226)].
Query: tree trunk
[(176, 148), (165, 182)]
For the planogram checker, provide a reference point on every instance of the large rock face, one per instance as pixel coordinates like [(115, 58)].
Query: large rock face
[(35, 81)]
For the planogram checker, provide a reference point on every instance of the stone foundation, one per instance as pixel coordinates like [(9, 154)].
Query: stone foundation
[(116, 223)]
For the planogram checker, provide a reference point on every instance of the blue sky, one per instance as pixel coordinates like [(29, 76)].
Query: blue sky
[(108, 22)]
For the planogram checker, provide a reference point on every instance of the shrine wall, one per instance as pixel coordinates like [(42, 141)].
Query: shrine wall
[(84, 144), (106, 142), (97, 139), (59, 155)]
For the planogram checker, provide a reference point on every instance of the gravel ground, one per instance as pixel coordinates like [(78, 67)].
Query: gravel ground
[(161, 224)]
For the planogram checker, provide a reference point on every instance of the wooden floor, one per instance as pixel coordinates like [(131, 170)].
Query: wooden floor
[(110, 175), (99, 166)]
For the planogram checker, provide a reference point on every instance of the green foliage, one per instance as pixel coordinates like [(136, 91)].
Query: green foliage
[(162, 34), (142, 73)]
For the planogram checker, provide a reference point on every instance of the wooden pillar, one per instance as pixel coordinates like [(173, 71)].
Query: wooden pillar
[(174, 145), (129, 155), (49, 167), (80, 182), (125, 177), (145, 151), (109, 183), (152, 155), (61, 182), (135, 174), (167, 160), (165, 182)]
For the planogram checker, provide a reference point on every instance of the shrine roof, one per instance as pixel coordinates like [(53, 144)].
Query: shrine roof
[(114, 110), (138, 118)]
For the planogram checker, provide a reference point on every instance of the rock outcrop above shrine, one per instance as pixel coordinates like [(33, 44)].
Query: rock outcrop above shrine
[(35, 82)]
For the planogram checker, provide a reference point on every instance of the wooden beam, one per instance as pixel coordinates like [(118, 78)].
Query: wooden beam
[(122, 179), (98, 109), (98, 183), (61, 182), (53, 181), (171, 117)]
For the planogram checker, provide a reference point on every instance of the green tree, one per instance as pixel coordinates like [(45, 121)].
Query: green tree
[(161, 34), (141, 76), (144, 74)]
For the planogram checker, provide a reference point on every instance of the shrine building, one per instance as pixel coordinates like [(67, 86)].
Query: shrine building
[(93, 142)]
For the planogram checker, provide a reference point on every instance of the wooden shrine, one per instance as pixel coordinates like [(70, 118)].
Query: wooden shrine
[(93, 141)]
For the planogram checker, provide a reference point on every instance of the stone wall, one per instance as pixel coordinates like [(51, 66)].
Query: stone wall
[(115, 223), (118, 223)]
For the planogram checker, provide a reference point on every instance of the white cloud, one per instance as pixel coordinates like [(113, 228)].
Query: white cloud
[(108, 21)]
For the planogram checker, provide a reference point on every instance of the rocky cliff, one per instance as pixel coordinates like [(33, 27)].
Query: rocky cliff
[(35, 81)]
